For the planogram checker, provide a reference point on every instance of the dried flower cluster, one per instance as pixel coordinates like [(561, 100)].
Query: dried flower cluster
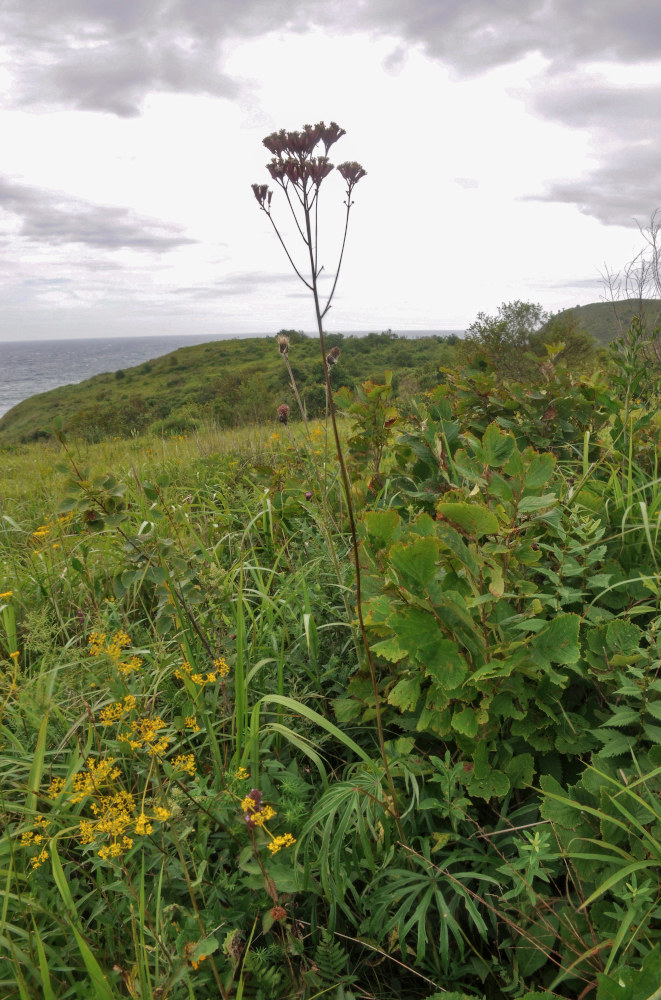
[(294, 161), (283, 413)]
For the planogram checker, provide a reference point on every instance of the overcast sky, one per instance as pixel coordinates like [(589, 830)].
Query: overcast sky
[(511, 146)]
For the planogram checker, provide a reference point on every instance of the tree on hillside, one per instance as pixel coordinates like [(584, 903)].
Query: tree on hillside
[(522, 339)]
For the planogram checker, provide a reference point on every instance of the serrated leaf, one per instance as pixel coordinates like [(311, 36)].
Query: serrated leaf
[(382, 525), (497, 446), (389, 650), (465, 722), (654, 709), (471, 518), (559, 642), (415, 563), (405, 694), (623, 636), (622, 717), (539, 471), (448, 668)]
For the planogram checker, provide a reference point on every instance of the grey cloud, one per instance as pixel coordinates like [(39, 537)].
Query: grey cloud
[(236, 284), (621, 192), (57, 219), (623, 125), (106, 55)]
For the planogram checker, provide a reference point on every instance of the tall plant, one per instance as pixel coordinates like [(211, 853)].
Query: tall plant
[(299, 168)]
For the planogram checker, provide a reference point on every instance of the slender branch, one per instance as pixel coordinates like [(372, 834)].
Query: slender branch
[(349, 203), (282, 243), (293, 212)]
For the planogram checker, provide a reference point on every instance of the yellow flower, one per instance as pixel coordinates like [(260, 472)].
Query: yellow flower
[(241, 774), (284, 840), (184, 762), (191, 723), (221, 666), (7, 593), (142, 825)]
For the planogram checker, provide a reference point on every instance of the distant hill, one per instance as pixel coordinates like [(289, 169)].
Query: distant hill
[(606, 320), (232, 382)]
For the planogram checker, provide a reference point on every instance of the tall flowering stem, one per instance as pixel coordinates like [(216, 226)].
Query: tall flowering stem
[(300, 174)]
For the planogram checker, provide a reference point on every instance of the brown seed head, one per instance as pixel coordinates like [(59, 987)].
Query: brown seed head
[(283, 344), (283, 413), (352, 172), (278, 913), (330, 134), (333, 356), (263, 195), (276, 143), (318, 167)]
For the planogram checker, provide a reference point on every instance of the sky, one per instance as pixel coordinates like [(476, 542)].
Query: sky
[(512, 150)]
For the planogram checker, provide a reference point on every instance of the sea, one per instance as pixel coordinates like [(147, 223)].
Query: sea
[(28, 367)]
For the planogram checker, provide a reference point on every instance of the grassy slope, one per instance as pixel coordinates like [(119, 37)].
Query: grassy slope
[(232, 381), (606, 320)]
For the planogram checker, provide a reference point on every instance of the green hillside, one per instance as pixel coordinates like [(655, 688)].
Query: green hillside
[(606, 320), (231, 382)]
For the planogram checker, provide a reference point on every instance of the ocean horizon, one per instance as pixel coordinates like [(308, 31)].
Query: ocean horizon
[(29, 367)]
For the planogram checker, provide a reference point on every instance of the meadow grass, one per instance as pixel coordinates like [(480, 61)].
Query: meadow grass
[(194, 797)]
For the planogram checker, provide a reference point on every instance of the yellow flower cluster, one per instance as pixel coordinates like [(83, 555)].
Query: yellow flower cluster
[(284, 840), (184, 762), (94, 777), (114, 816), (221, 666), (241, 774), (221, 669), (111, 714), (191, 723), (99, 644), (258, 816), (44, 530), (36, 838), (143, 734), (7, 593)]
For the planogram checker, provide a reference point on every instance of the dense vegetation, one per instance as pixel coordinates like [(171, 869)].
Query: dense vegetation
[(236, 382), (230, 383), (195, 799)]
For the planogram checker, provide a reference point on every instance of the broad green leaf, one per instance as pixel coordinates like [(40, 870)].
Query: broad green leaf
[(472, 518), (457, 546), (497, 446), (389, 649), (381, 525), (494, 784), (415, 563), (448, 668), (465, 721), (623, 636), (539, 471), (405, 694), (559, 642)]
